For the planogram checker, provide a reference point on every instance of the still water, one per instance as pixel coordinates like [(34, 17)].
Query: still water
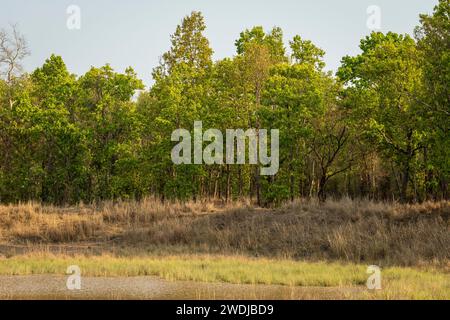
[(54, 287)]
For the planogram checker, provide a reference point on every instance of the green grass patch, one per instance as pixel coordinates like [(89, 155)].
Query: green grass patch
[(398, 283)]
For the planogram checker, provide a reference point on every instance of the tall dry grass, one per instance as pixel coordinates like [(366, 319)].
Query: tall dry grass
[(350, 230), (34, 222)]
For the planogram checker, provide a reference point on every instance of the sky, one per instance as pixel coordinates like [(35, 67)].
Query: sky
[(137, 32)]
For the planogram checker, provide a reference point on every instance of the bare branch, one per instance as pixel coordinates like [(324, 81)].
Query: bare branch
[(13, 49)]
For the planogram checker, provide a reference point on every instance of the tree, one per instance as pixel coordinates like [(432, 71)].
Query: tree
[(305, 52), (16, 156), (330, 148), (59, 152), (13, 49), (112, 128), (433, 36), (272, 40), (387, 75), (178, 98), (190, 47)]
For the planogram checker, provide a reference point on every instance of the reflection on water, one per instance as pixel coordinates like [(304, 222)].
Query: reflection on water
[(54, 287)]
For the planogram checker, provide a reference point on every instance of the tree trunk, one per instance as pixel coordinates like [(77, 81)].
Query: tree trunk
[(258, 186), (321, 193), (405, 180), (311, 189), (228, 189), (240, 184)]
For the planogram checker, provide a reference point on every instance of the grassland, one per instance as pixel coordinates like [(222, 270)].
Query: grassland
[(398, 282), (304, 243), (353, 231)]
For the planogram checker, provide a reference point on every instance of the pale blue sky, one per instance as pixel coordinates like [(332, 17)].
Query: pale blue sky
[(136, 32)]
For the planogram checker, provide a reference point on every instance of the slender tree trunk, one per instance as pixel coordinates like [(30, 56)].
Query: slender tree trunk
[(311, 189), (216, 186), (405, 181), (240, 183), (258, 186), (321, 192), (228, 189)]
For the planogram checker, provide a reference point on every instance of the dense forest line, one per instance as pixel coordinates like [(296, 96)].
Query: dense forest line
[(378, 128)]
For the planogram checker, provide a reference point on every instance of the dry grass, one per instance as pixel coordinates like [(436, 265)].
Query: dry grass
[(45, 223), (357, 231)]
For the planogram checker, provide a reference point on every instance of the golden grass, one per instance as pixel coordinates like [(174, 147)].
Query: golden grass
[(46, 223), (360, 231)]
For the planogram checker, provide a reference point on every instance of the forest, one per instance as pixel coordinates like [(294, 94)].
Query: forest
[(378, 128)]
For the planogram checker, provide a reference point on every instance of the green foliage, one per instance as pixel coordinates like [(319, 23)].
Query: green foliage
[(272, 40), (434, 42), (387, 93), (379, 129), (305, 52)]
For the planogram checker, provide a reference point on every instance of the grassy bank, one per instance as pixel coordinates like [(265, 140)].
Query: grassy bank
[(301, 244), (360, 231), (397, 282)]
